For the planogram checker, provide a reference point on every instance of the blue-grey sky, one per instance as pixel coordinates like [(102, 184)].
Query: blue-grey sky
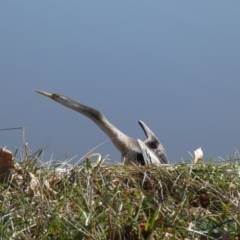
[(173, 64)]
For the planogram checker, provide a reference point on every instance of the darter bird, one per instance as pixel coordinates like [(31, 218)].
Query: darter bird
[(133, 151)]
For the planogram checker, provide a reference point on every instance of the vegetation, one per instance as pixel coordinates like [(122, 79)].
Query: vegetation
[(95, 200)]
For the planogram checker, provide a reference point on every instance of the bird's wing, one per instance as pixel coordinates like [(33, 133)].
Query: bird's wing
[(153, 143), (148, 132), (149, 156)]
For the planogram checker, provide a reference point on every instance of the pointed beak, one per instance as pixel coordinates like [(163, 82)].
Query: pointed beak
[(44, 93)]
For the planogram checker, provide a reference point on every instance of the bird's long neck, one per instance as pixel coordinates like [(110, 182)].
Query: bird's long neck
[(122, 142)]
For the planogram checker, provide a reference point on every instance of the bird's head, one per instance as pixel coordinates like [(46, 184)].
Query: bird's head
[(60, 99), (54, 96)]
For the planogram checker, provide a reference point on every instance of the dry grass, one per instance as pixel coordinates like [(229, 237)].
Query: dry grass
[(92, 200)]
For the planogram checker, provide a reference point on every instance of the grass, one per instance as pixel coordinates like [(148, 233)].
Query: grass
[(94, 200)]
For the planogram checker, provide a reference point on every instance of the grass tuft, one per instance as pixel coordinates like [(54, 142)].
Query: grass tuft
[(96, 200)]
